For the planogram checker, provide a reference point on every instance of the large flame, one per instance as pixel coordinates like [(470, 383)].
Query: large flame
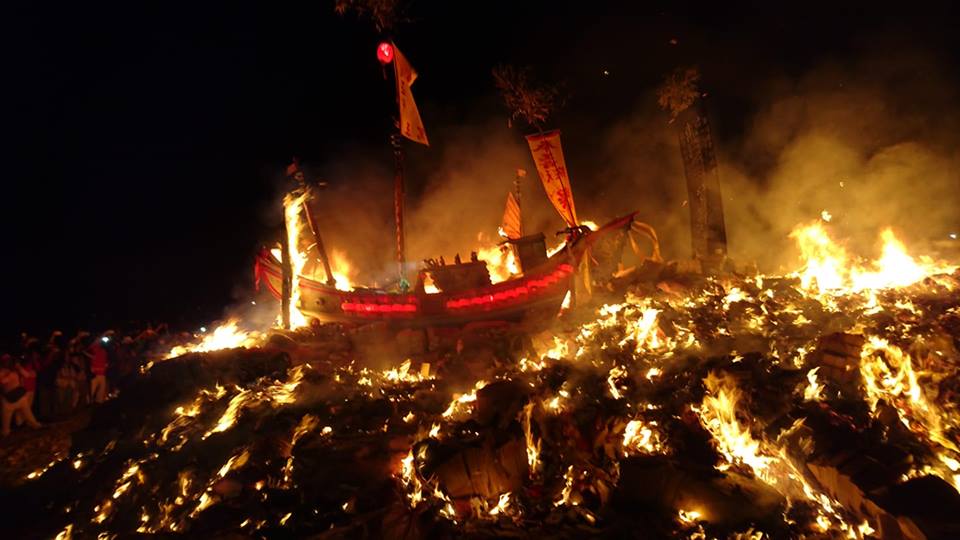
[(344, 272), (500, 259), (829, 269), (226, 336), (292, 206), (889, 375)]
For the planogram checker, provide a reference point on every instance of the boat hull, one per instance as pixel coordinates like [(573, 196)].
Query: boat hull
[(540, 291)]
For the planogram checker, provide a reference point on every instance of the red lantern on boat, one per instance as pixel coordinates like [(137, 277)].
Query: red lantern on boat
[(385, 53)]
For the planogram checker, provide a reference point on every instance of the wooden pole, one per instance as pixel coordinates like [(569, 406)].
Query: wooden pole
[(398, 200), (516, 188), (286, 280), (707, 229), (319, 240)]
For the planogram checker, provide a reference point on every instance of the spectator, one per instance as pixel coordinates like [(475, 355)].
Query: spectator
[(76, 370), (98, 368), (52, 360), (14, 397), (126, 364), (27, 369)]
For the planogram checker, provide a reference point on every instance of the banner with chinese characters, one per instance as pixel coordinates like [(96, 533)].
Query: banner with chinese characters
[(411, 126), (548, 156)]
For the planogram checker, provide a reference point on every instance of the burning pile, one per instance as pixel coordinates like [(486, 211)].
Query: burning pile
[(817, 404)]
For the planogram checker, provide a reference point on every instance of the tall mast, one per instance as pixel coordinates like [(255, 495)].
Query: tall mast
[(321, 250), (516, 188), (398, 199)]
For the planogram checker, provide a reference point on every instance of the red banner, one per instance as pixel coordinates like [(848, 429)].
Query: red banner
[(548, 156), (411, 126)]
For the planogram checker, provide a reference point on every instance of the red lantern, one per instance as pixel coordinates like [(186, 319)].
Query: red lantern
[(385, 53)]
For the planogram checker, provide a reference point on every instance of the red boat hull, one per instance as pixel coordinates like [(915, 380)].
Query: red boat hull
[(539, 291)]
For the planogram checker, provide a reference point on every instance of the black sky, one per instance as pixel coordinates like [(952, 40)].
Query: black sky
[(146, 138)]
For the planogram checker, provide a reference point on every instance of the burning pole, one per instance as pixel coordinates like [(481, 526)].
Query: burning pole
[(321, 250), (681, 96), (295, 172), (408, 125), (286, 271)]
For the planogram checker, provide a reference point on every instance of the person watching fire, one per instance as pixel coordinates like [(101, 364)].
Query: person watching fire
[(14, 397)]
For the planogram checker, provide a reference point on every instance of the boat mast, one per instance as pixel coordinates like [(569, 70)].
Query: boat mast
[(398, 199), (321, 251), (516, 188)]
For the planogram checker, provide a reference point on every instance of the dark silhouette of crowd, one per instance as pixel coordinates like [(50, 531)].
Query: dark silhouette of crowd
[(47, 381)]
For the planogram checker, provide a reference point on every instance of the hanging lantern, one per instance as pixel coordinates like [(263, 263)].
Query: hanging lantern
[(385, 53)]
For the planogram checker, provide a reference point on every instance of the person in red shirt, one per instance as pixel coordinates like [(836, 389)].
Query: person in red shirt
[(27, 369), (14, 397), (98, 367)]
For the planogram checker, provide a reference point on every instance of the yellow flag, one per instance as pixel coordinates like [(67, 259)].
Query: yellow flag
[(548, 156), (411, 126)]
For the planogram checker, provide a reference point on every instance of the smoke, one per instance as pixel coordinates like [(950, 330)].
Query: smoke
[(872, 140)]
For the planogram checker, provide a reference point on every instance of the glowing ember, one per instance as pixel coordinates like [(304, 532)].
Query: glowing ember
[(640, 436), (463, 403)]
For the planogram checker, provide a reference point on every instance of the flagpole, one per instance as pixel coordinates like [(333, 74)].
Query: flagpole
[(398, 201), (516, 188), (399, 186)]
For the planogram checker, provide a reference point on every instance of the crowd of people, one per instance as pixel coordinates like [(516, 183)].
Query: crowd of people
[(50, 380)]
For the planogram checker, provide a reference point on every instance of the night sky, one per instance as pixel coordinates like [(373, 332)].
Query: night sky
[(148, 137)]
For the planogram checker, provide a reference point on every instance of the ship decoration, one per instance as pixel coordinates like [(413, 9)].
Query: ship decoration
[(465, 292)]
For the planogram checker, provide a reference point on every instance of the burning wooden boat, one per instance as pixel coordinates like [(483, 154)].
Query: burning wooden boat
[(466, 293)]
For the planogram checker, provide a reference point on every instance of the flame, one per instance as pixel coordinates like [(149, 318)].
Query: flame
[(463, 403), (408, 477), (814, 390), (642, 437), (343, 270), (502, 504), (737, 445), (689, 516), (292, 206), (533, 447), (888, 375), (500, 259), (566, 494), (429, 286), (829, 269), (235, 462), (734, 441), (226, 336), (403, 373)]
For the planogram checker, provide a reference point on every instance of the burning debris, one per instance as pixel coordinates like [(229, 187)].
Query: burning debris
[(816, 404)]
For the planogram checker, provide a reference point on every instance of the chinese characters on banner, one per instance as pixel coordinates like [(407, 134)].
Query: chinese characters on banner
[(411, 126), (548, 156)]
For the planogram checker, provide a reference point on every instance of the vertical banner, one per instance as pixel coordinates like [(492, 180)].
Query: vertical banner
[(548, 156), (707, 229), (511, 218), (411, 126)]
